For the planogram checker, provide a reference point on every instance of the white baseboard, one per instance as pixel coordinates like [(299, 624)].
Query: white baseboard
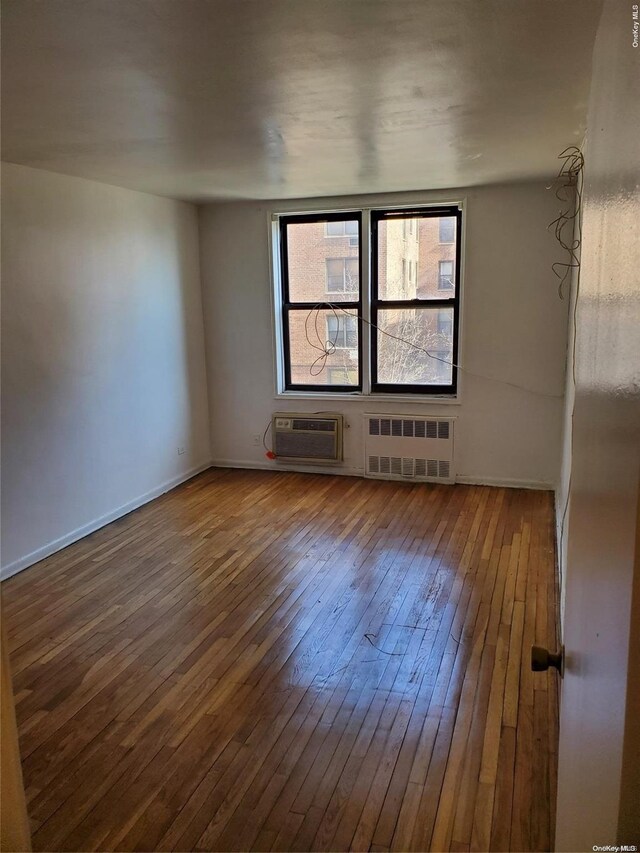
[(80, 532), (505, 483), (348, 471), (336, 470)]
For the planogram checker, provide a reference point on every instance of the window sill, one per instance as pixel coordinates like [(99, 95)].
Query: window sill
[(437, 400)]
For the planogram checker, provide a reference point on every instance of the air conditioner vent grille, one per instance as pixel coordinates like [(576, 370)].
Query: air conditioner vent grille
[(298, 438), (313, 425)]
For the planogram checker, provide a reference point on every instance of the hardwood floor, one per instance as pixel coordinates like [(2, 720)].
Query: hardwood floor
[(276, 661)]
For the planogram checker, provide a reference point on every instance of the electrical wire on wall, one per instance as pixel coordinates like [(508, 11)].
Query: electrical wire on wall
[(567, 225), (330, 346), (568, 232)]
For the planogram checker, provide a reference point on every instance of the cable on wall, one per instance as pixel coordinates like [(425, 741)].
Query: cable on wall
[(567, 225), (327, 351), (571, 175)]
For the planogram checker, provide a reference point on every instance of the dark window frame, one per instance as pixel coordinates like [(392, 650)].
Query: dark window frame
[(288, 306), (377, 304)]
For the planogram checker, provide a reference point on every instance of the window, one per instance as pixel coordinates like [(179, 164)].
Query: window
[(342, 331), (320, 342), (342, 228), (412, 320), (445, 275), (447, 227), (413, 336), (342, 376), (343, 275), (445, 323), (409, 229)]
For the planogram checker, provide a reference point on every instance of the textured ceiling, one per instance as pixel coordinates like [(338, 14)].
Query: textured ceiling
[(232, 99)]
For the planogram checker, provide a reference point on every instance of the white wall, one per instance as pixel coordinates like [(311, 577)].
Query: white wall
[(103, 374), (515, 329)]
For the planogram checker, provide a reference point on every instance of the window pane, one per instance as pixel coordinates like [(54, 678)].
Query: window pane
[(342, 376), (446, 278), (402, 364), (343, 276), (447, 229), (310, 331), (410, 253), (319, 265)]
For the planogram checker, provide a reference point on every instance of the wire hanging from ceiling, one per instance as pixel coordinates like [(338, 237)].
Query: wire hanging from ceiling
[(567, 225)]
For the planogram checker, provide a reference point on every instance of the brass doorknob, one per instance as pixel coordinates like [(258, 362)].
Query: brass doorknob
[(542, 659)]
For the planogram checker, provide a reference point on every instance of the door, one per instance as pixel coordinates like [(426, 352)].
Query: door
[(599, 756)]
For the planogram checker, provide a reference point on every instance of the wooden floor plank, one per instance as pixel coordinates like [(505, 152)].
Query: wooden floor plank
[(277, 661)]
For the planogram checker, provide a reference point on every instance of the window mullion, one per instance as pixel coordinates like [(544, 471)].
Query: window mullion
[(365, 300)]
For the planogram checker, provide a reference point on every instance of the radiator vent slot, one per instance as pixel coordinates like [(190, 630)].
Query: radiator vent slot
[(409, 428), (408, 468), (410, 448)]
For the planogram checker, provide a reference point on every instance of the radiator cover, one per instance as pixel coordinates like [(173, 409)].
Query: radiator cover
[(409, 447)]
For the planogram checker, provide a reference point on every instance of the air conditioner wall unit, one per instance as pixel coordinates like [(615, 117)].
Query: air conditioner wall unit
[(409, 447), (299, 437)]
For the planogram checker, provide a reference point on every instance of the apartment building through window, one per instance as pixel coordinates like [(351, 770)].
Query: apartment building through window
[(343, 275), (342, 331), (445, 275), (447, 229)]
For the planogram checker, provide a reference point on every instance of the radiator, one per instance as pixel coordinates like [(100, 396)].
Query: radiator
[(409, 447)]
